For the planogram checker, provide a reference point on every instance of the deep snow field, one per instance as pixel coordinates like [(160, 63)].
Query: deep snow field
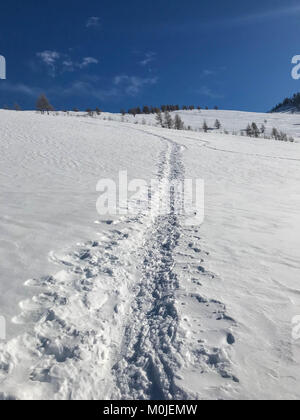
[(146, 306)]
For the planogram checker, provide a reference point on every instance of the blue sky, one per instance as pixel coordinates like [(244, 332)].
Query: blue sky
[(234, 54)]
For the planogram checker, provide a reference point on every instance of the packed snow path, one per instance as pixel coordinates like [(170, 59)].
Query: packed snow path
[(148, 367)]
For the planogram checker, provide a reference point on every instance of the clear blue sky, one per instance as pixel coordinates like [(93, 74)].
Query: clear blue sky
[(234, 54)]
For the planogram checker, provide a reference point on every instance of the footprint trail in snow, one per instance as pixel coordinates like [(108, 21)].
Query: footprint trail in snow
[(110, 324)]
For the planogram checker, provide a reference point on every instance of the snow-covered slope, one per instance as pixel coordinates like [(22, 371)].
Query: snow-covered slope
[(287, 109), (231, 121), (146, 306)]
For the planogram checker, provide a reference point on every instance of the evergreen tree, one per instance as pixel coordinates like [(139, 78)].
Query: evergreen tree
[(178, 123), (275, 134), (249, 131), (132, 112), (168, 121), (159, 118), (205, 127), (283, 136), (146, 110), (255, 130), (218, 125)]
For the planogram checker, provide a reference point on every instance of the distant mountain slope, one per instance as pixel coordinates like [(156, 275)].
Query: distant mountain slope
[(289, 104)]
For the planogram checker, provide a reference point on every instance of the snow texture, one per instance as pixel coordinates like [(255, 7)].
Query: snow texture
[(146, 306)]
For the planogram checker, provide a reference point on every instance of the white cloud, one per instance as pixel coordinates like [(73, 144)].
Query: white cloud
[(68, 64), (208, 73), (93, 21), (206, 91), (132, 85), (58, 61), (87, 61), (212, 72), (49, 58)]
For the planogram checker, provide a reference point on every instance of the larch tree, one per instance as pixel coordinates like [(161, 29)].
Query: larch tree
[(43, 105)]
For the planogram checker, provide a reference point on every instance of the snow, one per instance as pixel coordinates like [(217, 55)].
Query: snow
[(143, 306), (231, 121)]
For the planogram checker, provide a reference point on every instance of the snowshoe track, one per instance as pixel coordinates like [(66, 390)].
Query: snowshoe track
[(149, 363)]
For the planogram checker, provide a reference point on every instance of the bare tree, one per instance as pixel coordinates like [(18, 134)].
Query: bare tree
[(90, 112), (43, 105)]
